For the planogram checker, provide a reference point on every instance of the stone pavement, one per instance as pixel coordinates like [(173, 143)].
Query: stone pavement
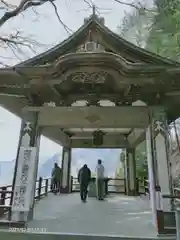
[(117, 215)]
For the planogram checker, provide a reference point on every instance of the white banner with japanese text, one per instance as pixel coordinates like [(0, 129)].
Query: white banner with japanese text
[(24, 179)]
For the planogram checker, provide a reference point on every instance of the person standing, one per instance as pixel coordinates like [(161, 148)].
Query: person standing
[(56, 177), (100, 180), (84, 177)]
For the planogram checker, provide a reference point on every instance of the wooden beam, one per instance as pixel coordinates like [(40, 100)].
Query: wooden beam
[(136, 137), (174, 93), (109, 142), (57, 135), (93, 117), (88, 135)]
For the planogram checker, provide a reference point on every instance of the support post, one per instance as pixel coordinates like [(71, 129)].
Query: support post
[(130, 172), (162, 157), (158, 166), (151, 173), (25, 173), (39, 187), (46, 186), (65, 185)]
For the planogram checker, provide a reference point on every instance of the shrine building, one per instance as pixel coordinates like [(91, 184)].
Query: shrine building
[(93, 90)]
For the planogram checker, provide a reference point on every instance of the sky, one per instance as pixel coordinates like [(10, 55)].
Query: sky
[(45, 28)]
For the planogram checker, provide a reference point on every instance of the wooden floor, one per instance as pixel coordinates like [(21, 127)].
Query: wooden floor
[(117, 215)]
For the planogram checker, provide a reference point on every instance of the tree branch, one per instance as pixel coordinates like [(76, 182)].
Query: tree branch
[(68, 30), (6, 6), (138, 5), (26, 4), (18, 44), (23, 5)]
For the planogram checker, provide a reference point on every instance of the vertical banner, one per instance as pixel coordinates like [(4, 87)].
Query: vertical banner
[(25, 176), (26, 166)]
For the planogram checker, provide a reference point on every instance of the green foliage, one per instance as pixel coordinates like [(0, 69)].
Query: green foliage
[(164, 37), (156, 29), (141, 165), (136, 24)]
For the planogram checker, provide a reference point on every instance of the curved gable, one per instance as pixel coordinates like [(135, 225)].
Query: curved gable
[(108, 39)]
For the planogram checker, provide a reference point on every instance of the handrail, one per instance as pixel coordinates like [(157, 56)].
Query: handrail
[(116, 186), (175, 197), (43, 186)]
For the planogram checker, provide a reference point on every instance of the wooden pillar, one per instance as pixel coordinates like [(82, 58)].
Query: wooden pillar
[(158, 166), (130, 172), (162, 157), (66, 171), (151, 173), (25, 173)]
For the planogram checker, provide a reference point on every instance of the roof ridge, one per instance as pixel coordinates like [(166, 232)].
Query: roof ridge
[(94, 19)]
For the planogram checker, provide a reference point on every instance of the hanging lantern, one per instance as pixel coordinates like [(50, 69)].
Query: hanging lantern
[(98, 138)]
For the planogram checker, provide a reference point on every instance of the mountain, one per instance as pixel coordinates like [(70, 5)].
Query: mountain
[(110, 158), (46, 168), (6, 172)]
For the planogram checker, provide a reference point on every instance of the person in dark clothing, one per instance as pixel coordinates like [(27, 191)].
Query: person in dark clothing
[(84, 177), (56, 177)]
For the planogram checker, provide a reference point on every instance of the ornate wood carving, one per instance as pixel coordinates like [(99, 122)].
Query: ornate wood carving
[(90, 77), (91, 46), (159, 123), (159, 126)]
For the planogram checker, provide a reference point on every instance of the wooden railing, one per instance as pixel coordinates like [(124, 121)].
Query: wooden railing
[(143, 186), (177, 193), (115, 185), (175, 198), (43, 186), (168, 218)]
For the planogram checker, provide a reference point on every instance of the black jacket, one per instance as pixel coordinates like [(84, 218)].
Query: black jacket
[(84, 175)]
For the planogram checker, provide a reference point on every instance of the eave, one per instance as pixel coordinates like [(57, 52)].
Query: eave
[(20, 79), (85, 59)]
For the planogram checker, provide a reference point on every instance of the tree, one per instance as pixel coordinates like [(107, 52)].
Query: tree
[(164, 37), (175, 151), (141, 165), (156, 28), (136, 24)]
